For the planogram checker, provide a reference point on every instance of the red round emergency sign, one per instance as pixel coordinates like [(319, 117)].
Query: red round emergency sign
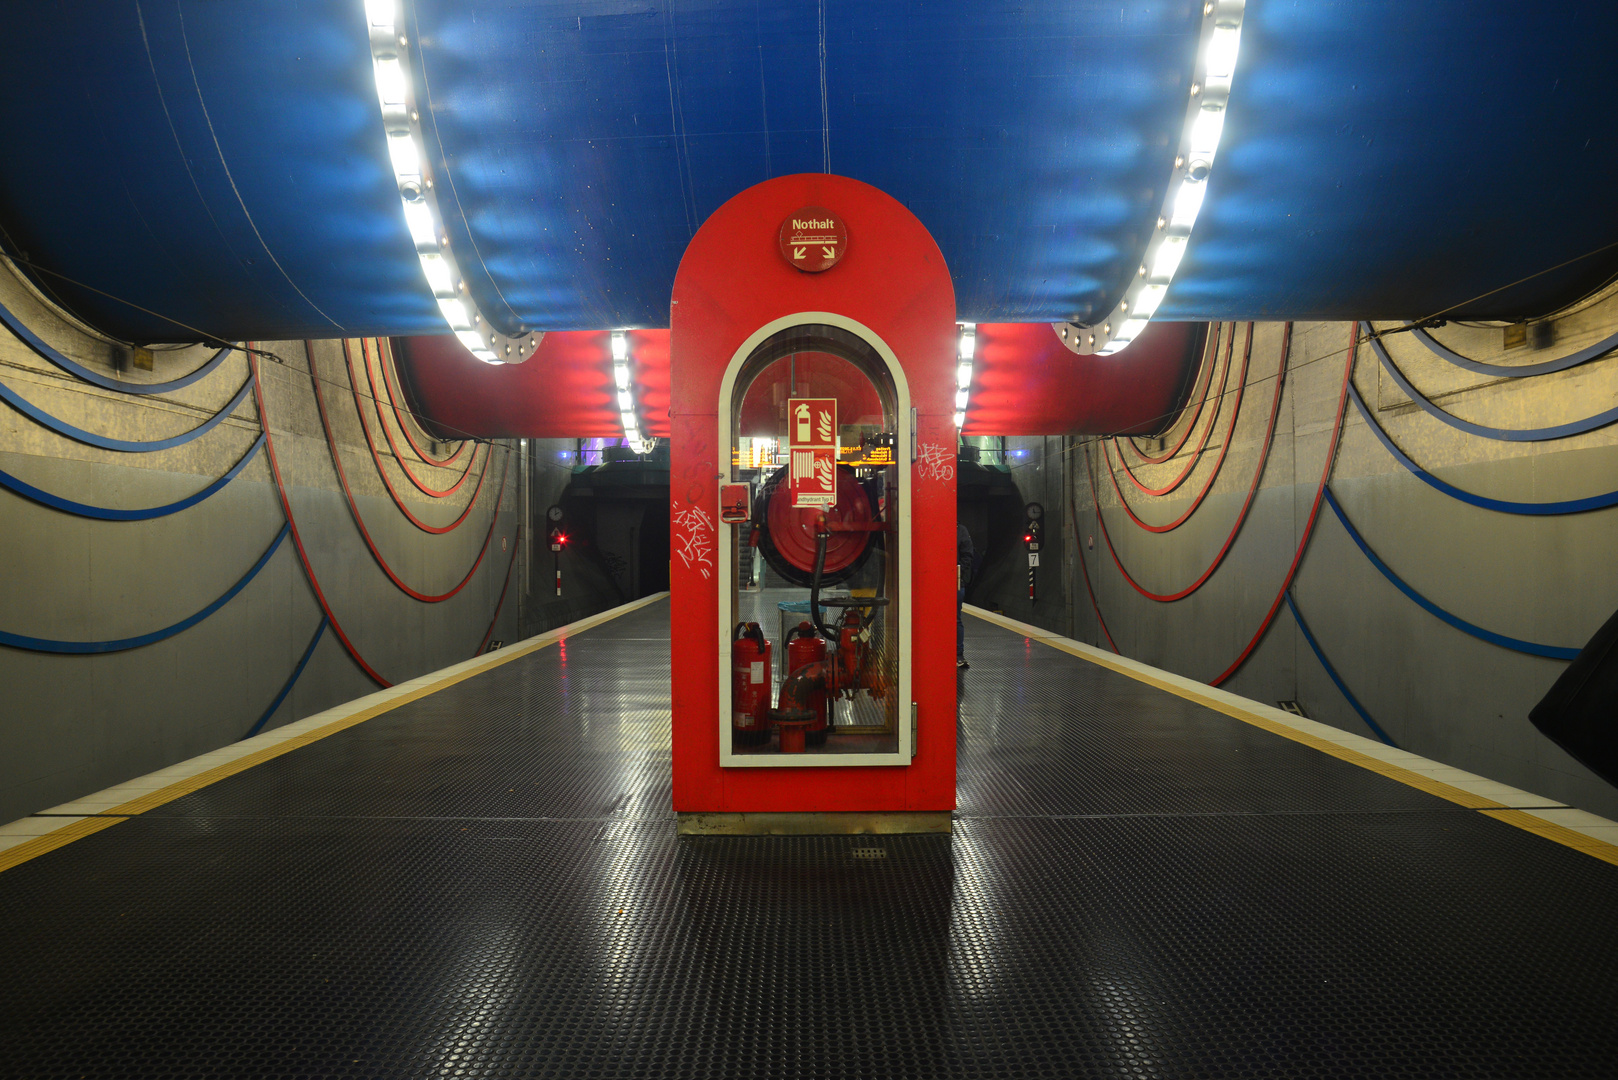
[(813, 239)]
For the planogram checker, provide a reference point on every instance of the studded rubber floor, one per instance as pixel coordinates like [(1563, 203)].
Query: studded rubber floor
[(487, 883)]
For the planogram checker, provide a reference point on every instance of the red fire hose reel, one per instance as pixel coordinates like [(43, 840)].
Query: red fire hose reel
[(787, 535)]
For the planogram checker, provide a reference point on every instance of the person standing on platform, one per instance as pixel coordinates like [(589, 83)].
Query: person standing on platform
[(963, 574)]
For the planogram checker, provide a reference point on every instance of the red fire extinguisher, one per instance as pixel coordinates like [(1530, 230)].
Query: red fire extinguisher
[(848, 650), (750, 685), (805, 647)]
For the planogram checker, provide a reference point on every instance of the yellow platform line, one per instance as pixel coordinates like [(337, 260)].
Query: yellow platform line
[(1560, 833), (428, 684), (39, 845), (1247, 711)]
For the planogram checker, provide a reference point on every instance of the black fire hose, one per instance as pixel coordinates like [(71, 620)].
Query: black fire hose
[(814, 586)]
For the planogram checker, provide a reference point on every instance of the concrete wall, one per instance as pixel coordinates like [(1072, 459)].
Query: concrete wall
[(1435, 690), (72, 724)]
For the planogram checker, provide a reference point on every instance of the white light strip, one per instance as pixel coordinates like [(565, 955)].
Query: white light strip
[(966, 350), (1204, 126), (395, 92), (626, 393), (382, 14)]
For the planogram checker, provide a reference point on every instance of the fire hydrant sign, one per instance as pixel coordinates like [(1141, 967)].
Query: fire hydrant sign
[(812, 442), (813, 239)]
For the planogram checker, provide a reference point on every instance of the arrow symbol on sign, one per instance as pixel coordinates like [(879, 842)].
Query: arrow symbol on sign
[(831, 252), (797, 252)]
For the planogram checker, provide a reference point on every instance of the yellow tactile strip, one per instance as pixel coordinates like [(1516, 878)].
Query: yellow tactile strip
[(1560, 833), (50, 841), (39, 845), (1229, 704), (180, 788)]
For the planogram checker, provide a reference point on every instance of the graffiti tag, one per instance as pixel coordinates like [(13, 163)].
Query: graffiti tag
[(935, 462), (694, 539)]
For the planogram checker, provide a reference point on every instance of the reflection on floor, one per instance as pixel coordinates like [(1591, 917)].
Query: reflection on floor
[(487, 882)]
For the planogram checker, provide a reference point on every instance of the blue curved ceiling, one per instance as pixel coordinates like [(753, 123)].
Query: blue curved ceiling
[(221, 166), (1406, 156)]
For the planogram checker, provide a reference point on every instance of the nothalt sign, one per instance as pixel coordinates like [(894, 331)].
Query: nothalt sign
[(812, 442), (813, 239)]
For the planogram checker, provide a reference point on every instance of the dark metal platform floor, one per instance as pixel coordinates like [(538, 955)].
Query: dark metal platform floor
[(487, 883)]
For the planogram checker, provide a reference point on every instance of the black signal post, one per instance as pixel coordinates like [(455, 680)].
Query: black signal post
[(558, 542), (1033, 533)]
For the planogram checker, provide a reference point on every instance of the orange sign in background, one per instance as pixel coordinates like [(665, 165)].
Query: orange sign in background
[(812, 446)]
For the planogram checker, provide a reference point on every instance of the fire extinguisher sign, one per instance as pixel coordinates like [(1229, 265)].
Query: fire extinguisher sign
[(812, 442)]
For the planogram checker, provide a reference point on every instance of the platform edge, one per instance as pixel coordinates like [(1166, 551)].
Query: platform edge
[(199, 772), (1400, 765)]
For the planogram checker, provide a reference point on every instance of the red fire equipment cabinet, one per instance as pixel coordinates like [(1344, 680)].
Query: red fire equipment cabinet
[(826, 384)]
